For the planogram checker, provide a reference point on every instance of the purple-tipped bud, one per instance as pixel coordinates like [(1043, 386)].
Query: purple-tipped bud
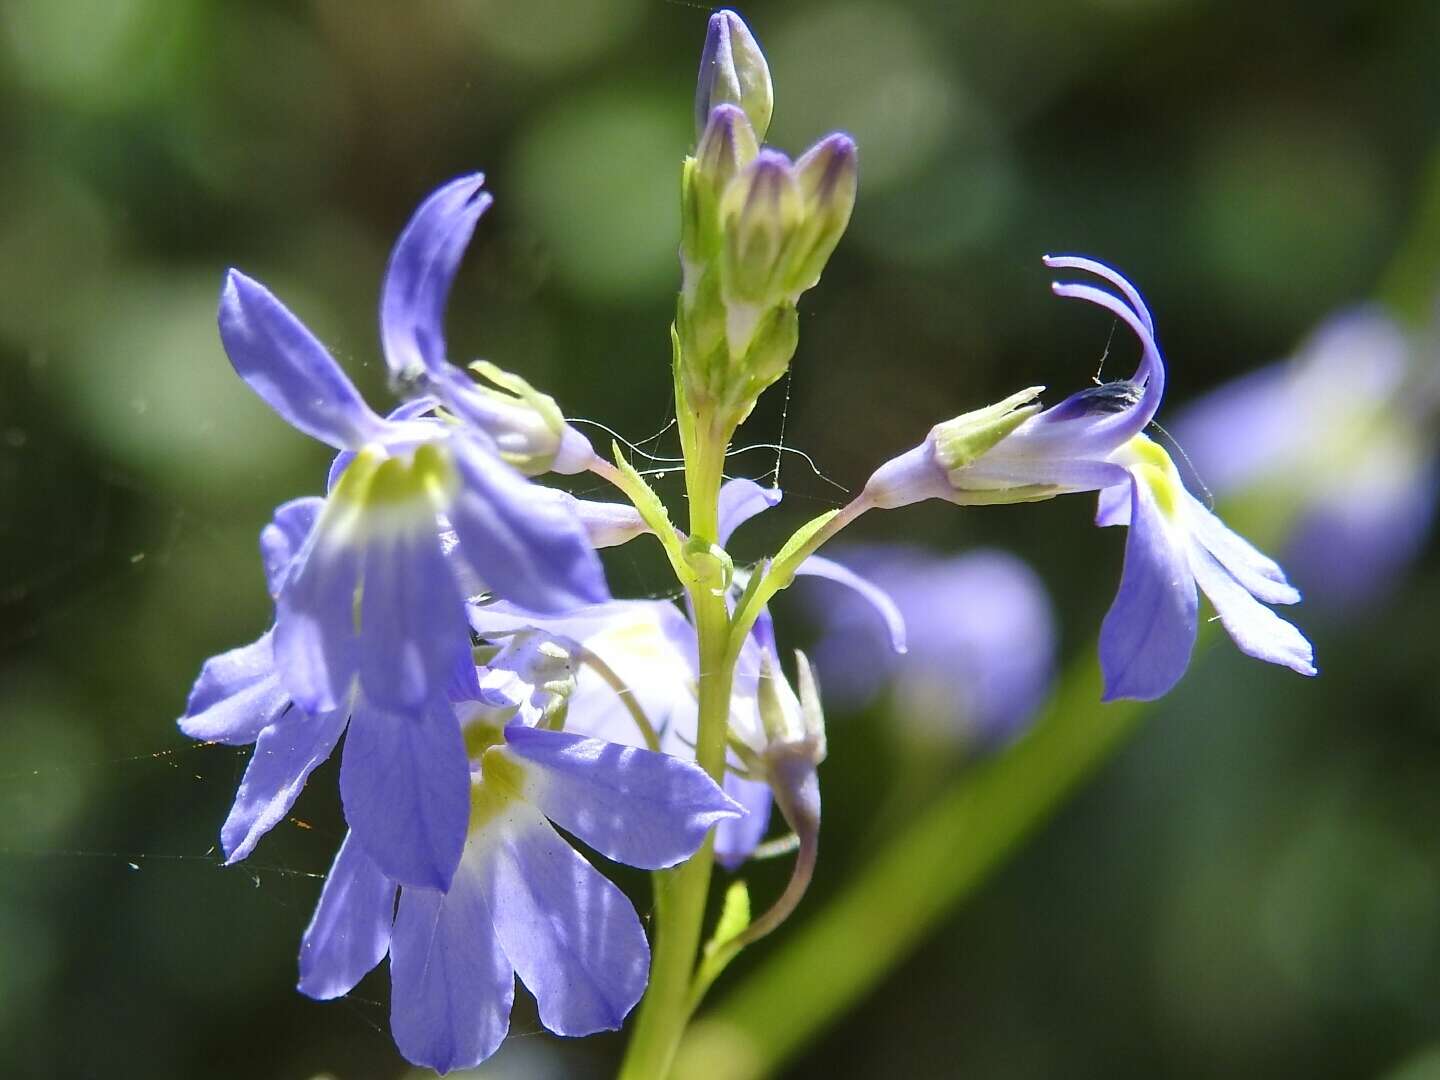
[(727, 145), (733, 72), (760, 211), (828, 175)]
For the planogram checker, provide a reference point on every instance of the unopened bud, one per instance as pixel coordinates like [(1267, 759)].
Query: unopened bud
[(726, 147), (828, 177), (733, 72), (760, 211), (529, 430)]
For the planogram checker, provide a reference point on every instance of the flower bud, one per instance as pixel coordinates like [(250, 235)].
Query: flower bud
[(726, 147), (529, 430), (733, 72), (760, 211), (828, 178)]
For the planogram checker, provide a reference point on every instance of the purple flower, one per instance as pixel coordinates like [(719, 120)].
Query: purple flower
[(982, 642), (421, 512), (650, 646), (522, 900), (519, 899), (1093, 441), (1336, 434)]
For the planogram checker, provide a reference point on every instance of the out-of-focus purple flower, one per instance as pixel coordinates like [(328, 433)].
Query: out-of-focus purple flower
[(1337, 435), (1093, 441), (981, 633), (370, 618)]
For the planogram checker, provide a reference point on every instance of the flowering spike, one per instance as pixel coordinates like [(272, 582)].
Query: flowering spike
[(733, 71)]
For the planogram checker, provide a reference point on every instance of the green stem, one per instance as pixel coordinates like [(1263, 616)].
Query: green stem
[(681, 893)]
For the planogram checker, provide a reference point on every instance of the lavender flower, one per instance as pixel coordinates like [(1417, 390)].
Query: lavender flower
[(1337, 434), (982, 642), (370, 618), (1093, 441), (522, 900)]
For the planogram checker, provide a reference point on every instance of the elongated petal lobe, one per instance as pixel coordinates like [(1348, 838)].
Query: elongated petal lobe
[(1258, 573), (451, 985), (236, 696), (422, 268), (1149, 631), (284, 363), (413, 632), (1256, 630), (820, 567), (317, 646), (632, 805), (405, 785), (523, 540), (350, 930), (285, 755), (284, 538), (573, 937)]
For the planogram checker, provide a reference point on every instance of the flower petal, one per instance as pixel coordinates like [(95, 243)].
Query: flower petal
[(284, 363), (634, 806), (451, 985), (421, 270), (1258, 573), (1113, 506), (285, 755), (350, 930), (740, 500), (405, 785), (317, 648), (523, 540), (821, 567), (737, 838), (1149, 631), (413, 633), (284, 538), (573, 937), (1256, 630), (236, 696)]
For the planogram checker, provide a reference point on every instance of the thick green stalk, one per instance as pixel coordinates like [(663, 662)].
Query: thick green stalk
[(681, 893)]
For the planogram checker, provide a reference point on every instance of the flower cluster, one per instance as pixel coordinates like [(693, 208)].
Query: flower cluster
[(447, 613)]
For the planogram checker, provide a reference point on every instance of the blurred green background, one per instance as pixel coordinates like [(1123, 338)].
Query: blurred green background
[(1252, 888)]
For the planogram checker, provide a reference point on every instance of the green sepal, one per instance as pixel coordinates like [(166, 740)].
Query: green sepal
[(653, 511), (961, 441), (788, 559), (734, 917)]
